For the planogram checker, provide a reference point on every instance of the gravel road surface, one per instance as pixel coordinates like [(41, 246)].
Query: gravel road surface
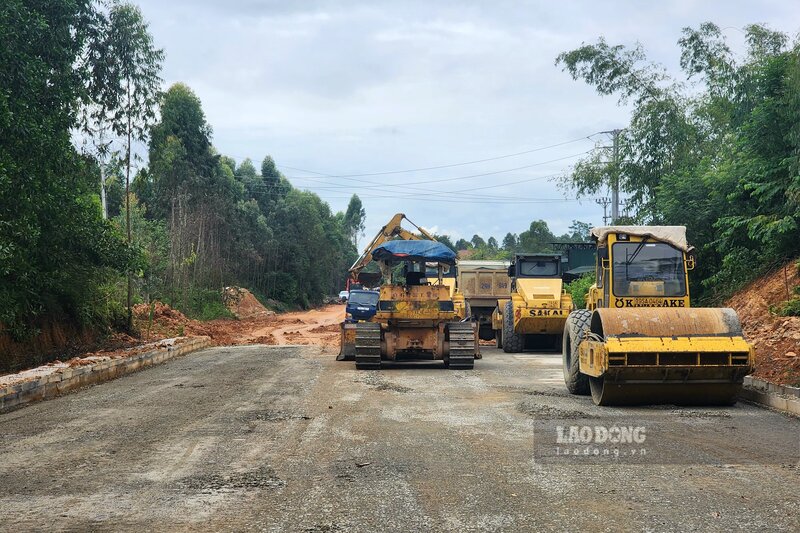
[(287, 439)]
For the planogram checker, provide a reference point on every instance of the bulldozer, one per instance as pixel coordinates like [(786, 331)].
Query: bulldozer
[(427, 300), (415, 319), (538, 307), (639, 341)]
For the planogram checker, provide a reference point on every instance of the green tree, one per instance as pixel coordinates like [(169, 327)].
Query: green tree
[(718, 156), (445, 239), (56, 252), (579, 231), (477, 241), (275, 184), (463, 244), (354, 219), (537, 238), (126, 83), (510, 242), (182, 163)]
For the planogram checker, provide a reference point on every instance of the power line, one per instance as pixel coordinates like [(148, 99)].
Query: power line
[(438, 167), (424, 192), (456, 178)]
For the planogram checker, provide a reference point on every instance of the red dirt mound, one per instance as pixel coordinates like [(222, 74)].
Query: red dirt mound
[(243, 304), (164, 321), (776, 338)]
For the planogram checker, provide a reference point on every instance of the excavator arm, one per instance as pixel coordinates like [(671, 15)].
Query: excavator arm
[(389, 231)]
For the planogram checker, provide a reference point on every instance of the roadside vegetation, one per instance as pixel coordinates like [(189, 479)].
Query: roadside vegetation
[(81, 106), (537, 238), (715, 148)]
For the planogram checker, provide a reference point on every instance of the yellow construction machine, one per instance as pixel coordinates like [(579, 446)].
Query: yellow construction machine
[(638, 341), (538, 307), (415, 318), (428, 296)]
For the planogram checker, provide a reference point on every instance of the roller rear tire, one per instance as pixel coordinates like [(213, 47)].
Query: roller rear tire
[(577, 324)]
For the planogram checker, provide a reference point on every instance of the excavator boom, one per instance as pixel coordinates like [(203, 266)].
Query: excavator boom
[(390, 230)]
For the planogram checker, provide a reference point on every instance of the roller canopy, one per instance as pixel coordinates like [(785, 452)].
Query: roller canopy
[(674, 235), (428, 251)]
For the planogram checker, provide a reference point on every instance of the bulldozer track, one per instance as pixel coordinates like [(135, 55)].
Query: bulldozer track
[(368, 346), (462, 346)]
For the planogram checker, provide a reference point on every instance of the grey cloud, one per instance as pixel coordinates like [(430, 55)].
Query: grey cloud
[(350, 87)]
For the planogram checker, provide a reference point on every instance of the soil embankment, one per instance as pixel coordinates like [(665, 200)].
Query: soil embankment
[(776, 338)]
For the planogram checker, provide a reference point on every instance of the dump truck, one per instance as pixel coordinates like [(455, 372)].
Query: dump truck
[(483, 283), (538, 306), (639, 341), (415, 318)]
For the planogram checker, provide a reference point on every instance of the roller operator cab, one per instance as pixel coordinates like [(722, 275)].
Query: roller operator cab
[(534, 314), (639, 341)]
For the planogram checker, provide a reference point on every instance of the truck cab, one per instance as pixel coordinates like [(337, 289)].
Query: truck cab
[(361, 305)]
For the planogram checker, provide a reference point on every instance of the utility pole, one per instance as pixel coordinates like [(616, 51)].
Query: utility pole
[(615, 179), (604, 202)]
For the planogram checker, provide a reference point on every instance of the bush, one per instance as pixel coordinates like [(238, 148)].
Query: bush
[(790, 308), (202, 304), (579, 288)]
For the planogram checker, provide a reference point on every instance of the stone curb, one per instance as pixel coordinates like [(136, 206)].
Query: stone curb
[(69, 379), (780, 397)]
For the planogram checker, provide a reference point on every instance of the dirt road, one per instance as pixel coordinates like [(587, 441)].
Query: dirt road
[(287, 439)]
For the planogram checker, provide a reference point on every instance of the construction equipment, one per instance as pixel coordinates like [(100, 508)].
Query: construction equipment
[(482, 283), (638, 341), (391, 232), (394, 230), (534, 316), (416, 319)]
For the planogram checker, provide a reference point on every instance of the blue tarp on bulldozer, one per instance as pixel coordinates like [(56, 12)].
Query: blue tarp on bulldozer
[(428, 251)]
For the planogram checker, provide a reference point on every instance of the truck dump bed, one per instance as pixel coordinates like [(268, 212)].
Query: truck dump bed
[(483, 282)]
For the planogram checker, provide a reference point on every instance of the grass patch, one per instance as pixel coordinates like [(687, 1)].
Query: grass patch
[(202, 304)]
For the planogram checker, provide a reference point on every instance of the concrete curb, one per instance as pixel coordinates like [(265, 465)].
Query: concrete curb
[(780, 397), (72, 378)]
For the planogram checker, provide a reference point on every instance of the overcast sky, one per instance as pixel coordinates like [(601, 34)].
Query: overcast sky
[(353, 88)]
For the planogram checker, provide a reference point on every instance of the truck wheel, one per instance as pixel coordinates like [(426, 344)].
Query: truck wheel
[(577, 324), (485, 332), (512, 342)]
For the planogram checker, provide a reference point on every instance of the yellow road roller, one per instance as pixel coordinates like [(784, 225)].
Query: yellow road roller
[(639, 341)]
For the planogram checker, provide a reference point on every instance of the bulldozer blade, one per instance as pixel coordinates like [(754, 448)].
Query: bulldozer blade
[(347, 342)]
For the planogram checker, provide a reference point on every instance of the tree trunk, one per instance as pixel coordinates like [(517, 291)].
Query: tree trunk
[(128, 210)]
